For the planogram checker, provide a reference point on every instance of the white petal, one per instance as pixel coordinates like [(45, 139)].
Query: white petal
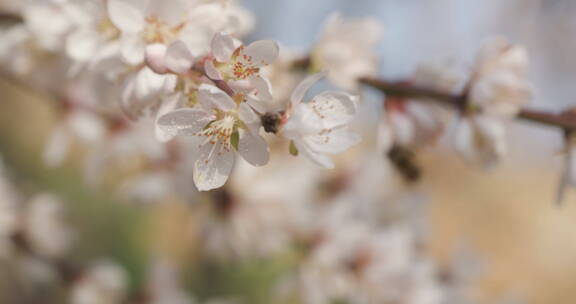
[(261, 96), (211, 70), (262, 52), (481, 140), (304, 86), (178, 57), (247, 115), (334, 141), (82, 44), (133, 48), (253, 148), (334, 108), (222, 47), (213, 167), (318, 158), (167, 106), (127, 15), (212, 97), (172, 12), (183, 122), (155, 57)]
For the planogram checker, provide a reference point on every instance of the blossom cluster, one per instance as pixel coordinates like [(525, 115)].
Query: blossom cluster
[(165, 100)]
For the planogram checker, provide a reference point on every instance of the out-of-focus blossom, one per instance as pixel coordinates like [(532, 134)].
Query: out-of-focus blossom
[(103, 283), (417, 123), (480, 140), (499, 84), (347, 49), (45, 227), (320, 126), (221, 126), (497, 91), (163, 283)]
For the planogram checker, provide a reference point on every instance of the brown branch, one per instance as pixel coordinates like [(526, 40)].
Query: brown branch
[(564, 120), (10, 18)]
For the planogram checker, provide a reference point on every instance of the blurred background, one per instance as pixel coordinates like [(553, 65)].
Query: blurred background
[(525, 244)]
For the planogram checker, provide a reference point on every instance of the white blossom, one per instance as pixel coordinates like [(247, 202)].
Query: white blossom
[(103, 283), (222, 126), (321, 125), (347, 49), (499, 84)]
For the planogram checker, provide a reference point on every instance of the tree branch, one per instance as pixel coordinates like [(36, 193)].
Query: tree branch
[(564, 120)]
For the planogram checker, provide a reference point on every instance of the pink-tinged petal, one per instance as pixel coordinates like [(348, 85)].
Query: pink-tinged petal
[(178, 57), (183, 122), (317, 158), (333, 141), (212, 97), (304, 86), (262, 52), (253, 148), (133, 48), (213, 166), (127, 15), (167, 106), (334, 108), (211, 70), (155, 58), (247, 115), (222, 47)]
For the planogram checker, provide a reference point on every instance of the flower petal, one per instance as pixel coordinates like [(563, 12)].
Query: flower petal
[(334, 141), (249, 118), (253, 148), (212, 168), (133, 48), (178, 57), (262, 52), (155, 57), (481, 140), (183, 122), (82, 44), (334, 108), (260, 98), (304, 86), (222, 47), (212, 97), (127, 15), (211, 70), (318, 158), (167, 106)]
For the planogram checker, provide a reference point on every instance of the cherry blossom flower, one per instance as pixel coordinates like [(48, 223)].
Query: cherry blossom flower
[(103, 282), (496, 93), (320, 126), (240, 66), (222, 126), (45, 227), (499, 85), (144, 24), (347, 49)]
